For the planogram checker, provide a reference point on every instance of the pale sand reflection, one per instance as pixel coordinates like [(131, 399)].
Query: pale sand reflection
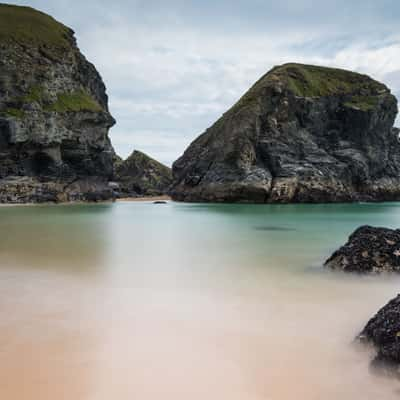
[(88, 342), (183, 306), (45, 350), (226, 348)]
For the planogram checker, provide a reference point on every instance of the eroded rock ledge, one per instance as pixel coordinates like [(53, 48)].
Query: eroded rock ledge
[(302, 133), (368, 250)]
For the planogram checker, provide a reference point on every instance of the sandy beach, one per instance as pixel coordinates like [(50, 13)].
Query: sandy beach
[(146, 198)]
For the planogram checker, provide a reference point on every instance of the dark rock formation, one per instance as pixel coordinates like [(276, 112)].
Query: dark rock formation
[(368, 249), (383, 333), (301, 134), (140, 175), (54, 117)]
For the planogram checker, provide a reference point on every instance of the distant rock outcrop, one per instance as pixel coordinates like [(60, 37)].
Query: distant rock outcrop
[(302, 133), (54, 117), (383, 333), (368, 250), (140, 175)]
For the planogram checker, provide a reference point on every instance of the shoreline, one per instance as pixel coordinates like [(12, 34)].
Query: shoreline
[(144, 198), (67, 203)]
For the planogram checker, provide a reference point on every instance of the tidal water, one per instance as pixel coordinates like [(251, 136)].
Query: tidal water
[(177, 302)]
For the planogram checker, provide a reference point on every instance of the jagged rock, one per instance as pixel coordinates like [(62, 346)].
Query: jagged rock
[(368, 250), (140, 175), (301, 134), (383, 333), (54, 117)]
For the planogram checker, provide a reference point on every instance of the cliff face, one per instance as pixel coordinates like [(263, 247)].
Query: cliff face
[(140, 175), (300, 134), (54, 117)]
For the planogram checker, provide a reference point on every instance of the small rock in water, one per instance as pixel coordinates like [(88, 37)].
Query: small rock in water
[(159, 202), (368, 250), (383, 332), (273, 228)]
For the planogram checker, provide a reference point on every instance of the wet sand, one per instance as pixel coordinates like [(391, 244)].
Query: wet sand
[(145, 198), (122, 300)]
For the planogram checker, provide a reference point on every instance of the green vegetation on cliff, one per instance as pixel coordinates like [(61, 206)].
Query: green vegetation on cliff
[(13, 112), (35, 94), (77, 101), (354, 89), (74, 102), (364, 103), (315, 81), (28, 26)]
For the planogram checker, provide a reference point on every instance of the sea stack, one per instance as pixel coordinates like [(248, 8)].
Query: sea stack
[(141, 175), (54, 117), (302, 133)]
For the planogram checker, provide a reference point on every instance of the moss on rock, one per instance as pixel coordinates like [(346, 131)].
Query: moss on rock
[(74, 102), (316, 81), (313, 81), (13, 112), (363, 103), (35, 94)]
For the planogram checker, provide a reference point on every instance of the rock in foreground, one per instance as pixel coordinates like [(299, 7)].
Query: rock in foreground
[(54, 117), (383, 332), (140, 175), (368, 250), (302, 133)]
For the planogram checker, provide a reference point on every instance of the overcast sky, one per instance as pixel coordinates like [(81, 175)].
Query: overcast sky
[(173, 67)]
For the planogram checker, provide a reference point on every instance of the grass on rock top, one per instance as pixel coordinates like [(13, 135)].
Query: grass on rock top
[(358, 90), (28, 26), (141, 159), (315, 81)]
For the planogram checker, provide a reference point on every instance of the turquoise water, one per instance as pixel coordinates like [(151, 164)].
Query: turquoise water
[(136, 300)]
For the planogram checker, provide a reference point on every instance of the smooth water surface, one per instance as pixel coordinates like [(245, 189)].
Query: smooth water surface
[(177, 302)]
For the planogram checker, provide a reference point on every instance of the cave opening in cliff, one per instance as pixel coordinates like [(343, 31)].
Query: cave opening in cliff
[(42, 164)]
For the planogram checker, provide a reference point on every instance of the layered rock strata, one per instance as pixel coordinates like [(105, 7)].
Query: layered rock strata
[(302, 133)]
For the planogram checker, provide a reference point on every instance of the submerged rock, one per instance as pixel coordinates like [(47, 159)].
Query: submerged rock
[(302, 133), (368, 250), (383, 333), (54, 117), (140, 175)]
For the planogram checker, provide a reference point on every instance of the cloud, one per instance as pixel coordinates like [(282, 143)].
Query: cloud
[(172, 68)]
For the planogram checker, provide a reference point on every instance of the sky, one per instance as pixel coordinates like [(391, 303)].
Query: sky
[(173, 67)]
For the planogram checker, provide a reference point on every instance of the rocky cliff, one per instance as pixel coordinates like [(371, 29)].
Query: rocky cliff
[(140, 175), (302, 133), (54, 117)]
